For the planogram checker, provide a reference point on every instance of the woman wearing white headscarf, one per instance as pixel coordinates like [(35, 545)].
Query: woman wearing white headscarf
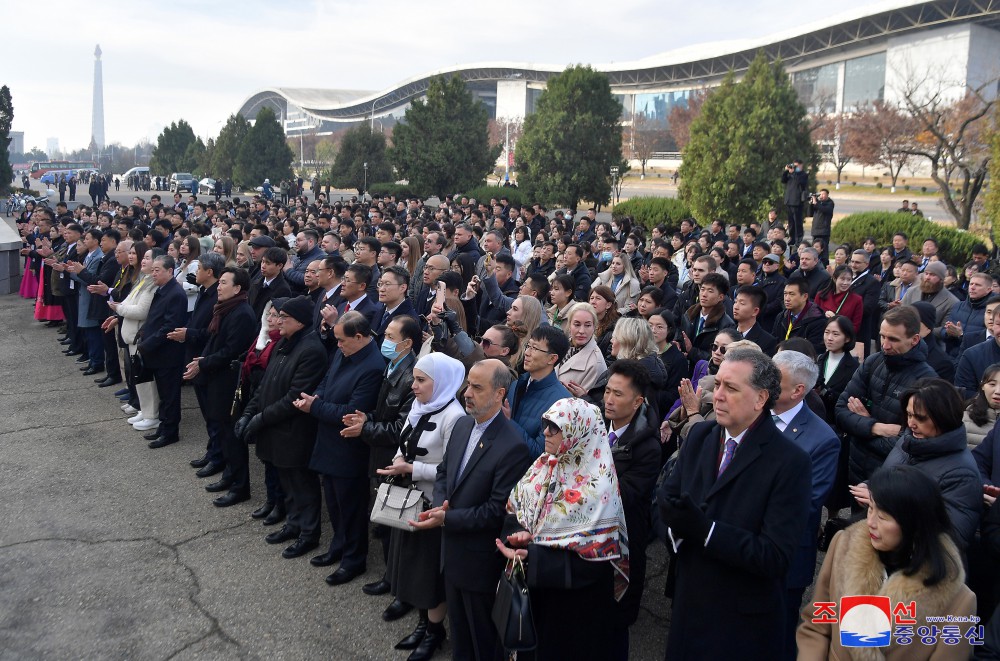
[(415, 556), (568, 524)]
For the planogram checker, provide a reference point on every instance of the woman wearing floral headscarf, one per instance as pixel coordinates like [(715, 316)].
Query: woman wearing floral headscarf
[(568, 524), (415, 556)]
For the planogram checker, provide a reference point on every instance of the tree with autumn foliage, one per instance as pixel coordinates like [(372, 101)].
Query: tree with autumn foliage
[(681, 116), (954, 136), (834, 136), (882, 135)]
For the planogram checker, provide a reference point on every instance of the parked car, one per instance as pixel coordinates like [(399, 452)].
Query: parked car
[(182, 181), (206, 186)]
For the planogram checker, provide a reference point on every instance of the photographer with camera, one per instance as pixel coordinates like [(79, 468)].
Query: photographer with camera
[(796, 183), (821, 210)]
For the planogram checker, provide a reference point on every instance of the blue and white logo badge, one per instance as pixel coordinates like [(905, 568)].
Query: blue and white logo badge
[(865, 621)]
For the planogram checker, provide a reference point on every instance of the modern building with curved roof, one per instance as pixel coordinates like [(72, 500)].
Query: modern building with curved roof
[(836, 64)]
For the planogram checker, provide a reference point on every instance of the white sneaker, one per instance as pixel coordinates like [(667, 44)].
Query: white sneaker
[(135, 418), (146, 425), (129, 410)]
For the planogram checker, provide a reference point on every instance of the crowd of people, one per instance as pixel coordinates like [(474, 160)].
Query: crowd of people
[(563, 392)]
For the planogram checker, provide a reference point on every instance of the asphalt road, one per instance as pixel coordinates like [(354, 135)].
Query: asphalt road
[(111, 550)]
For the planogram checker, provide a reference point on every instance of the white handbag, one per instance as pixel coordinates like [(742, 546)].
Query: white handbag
[(396, 506)]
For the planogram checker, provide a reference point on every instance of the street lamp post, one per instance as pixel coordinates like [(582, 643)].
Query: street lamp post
[(302, 153), (366, 181), (614, 182)]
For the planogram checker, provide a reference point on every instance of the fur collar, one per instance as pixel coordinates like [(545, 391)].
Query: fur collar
[(862, 572)]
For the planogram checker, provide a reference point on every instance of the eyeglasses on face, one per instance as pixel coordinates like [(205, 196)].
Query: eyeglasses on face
[(532, 347), (720, 348)]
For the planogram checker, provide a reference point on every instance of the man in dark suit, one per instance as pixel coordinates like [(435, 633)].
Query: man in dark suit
[(868, 288), (352, 384), (354, 289), (329, 279), (735, 506), (194, 336), (270, 283), (98, 284), (164, 357), (808, 431), (484, 460), (70, 288), (393, 300), (230, 331), (747, 305), (436, 265)]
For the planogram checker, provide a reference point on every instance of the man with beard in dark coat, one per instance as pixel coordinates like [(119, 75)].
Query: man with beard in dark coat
[(285, 436), (868, 410), (633, 433), (230, 330)]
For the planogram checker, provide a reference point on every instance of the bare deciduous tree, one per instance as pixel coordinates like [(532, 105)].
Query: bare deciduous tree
[(833, 135), (680, 118), (953, 135)]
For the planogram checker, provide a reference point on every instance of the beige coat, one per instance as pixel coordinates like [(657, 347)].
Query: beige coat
[(852, 567), (627, 292), (134, 309), (583, 367), (975, 434)]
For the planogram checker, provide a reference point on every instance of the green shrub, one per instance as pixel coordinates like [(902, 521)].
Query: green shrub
[(923, 189), (955, 246), (878, 184), (653, 211), (401, 191), (484, 193), (906, 187)]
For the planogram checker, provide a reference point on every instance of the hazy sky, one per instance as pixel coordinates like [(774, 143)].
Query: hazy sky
[(199, 61)]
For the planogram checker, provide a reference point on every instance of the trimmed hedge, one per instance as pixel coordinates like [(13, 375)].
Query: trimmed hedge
[(399, 190), (484, 193), (955, 246), (653, 211)]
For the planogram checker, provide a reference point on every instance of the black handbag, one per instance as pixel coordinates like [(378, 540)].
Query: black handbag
[(512, 610), (140, 372)]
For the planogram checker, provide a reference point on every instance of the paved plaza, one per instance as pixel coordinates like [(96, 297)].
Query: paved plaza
[(112, 550)]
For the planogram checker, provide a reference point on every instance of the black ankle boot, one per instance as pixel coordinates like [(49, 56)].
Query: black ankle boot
[(413, 640), (432, 641)]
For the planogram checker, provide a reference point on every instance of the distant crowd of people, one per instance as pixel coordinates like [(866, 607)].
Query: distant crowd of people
[(564, 391)]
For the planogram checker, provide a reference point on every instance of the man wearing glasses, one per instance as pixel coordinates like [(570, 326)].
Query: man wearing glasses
[(538, 387), (435, 266), (354, 289), (392, 287)]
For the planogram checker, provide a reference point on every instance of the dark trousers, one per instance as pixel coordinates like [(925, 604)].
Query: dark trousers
[(237, 456), (133, 396), (168, 387), (795, 230), (303, 501), (347, 507), (94, 340), (272, 484), (793, 604), (473, 635), (111, 364), (213, 450), (71, 310)]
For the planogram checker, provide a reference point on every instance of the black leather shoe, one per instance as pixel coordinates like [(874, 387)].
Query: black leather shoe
[(90, 371), (262, 511), (221, 485), (123, 391), (299, 548), (162, 442), (432, 641), (326, 559), (284, 534), (151, 435), (199, 463), (231, 498), (413, 640), (381, 586), (81, 358), (107, 382), (277, 515), (344, 575), (396, 610), (70, 352), (211, 469)]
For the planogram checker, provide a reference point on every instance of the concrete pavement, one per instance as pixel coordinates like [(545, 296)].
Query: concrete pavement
[(112, 550)]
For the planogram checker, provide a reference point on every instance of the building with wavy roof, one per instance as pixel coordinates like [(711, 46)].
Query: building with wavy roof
[(836, 64)]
